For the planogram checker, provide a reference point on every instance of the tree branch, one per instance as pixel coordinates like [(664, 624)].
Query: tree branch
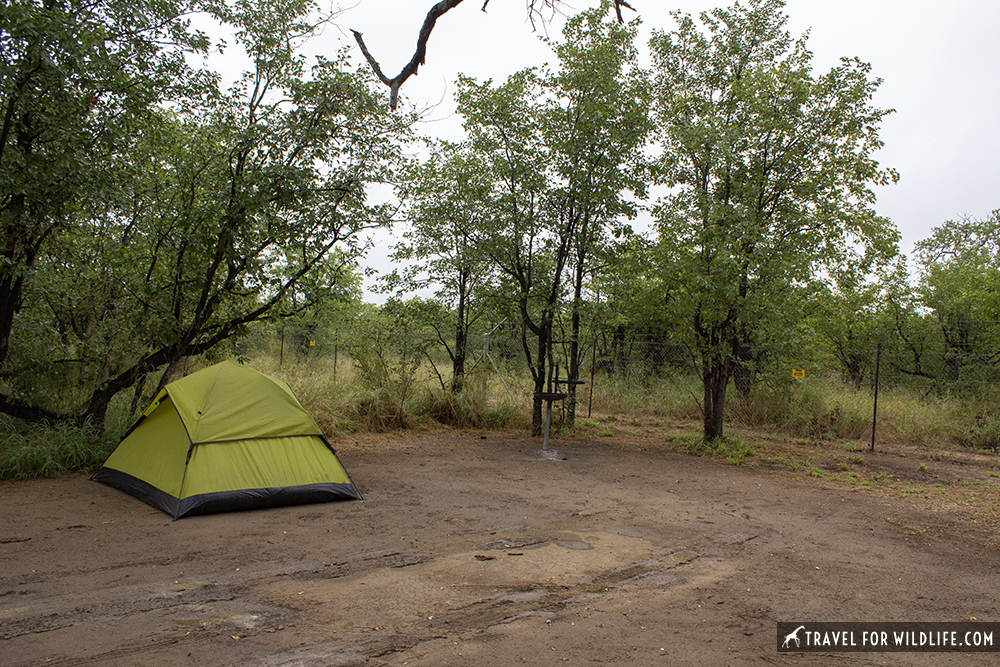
[(618, 9), (419, 55), (438, 10)]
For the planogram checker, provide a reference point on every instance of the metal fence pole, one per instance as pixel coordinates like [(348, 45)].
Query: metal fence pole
[(593, 365), (281, 353), (878, 364)]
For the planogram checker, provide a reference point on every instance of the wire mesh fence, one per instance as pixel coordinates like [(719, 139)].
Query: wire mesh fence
[(879, 389), (925, 394)]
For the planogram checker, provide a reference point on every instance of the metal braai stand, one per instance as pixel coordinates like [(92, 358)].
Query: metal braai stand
[(548, 397), (575, 383)]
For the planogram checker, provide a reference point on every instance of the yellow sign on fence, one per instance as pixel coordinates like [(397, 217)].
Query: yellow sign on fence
[(798, 374)]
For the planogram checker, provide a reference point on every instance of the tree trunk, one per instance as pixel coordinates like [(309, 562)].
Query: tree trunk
[(573, 373), (22, 242), (461, 338), (538, 361), (97, 411), (458, 364), (572, 376), (10, 289), (541, 374), (715, 378)]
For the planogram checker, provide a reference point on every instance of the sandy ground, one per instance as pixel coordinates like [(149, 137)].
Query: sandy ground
[(473, 549)]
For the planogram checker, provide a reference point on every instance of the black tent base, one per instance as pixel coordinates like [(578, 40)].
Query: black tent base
[(225, 501)]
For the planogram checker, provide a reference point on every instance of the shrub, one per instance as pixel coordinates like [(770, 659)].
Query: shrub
[(983, 433), (48, 450), (735, 450), (467, 409)]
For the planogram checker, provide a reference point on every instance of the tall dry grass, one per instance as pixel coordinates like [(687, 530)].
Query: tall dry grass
[(343, 400)]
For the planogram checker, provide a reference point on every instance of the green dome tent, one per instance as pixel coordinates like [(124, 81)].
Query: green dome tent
[(226, 438)]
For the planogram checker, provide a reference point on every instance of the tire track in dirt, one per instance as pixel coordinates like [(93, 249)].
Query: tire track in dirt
[(472, 551)]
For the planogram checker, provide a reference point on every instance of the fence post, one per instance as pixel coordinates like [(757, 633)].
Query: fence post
[(878, 364), (593, 363)]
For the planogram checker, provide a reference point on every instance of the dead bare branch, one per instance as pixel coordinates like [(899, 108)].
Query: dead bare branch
[(419, 55), (618, 9)]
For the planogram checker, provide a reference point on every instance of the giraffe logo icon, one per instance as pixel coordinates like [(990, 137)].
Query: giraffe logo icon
[(793, 636)]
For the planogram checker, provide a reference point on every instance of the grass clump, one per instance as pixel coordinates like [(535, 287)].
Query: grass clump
[(468, 408), (808, 411), (984, 432), (735, 450), (31, 450), (647, 395), (48, 450), (376, 410)]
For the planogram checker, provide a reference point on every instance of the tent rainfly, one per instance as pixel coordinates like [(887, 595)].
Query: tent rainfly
[(226, 438)]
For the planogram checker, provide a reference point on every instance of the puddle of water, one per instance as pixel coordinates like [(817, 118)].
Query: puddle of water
[(216, 614), (573, 544), (516, 543), (658, 579), (679, 558), (550, 455)]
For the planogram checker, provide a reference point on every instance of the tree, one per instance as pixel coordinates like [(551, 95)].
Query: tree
[(918, 340), (437, 10), (515, 233), (225, 204), (74, 76), (445, 206), (561, 148), (960, 285), (852, 317), (770, 170), (319, 304), (596, 124), (389, 346)]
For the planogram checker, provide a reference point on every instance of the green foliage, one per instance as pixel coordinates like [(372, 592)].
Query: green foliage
[(984, 432), (563, 154), (960, 285), (389, 349), (944, 338), (771, 171), (735, 450), (852, 317), (76, 80), (149, 216), (222, 209), (49, 450), (446, 202)]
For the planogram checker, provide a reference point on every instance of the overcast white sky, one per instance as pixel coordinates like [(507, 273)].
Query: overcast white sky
[(940, 62)]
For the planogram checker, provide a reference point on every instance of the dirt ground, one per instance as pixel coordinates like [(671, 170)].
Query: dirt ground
[(476, 549)]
